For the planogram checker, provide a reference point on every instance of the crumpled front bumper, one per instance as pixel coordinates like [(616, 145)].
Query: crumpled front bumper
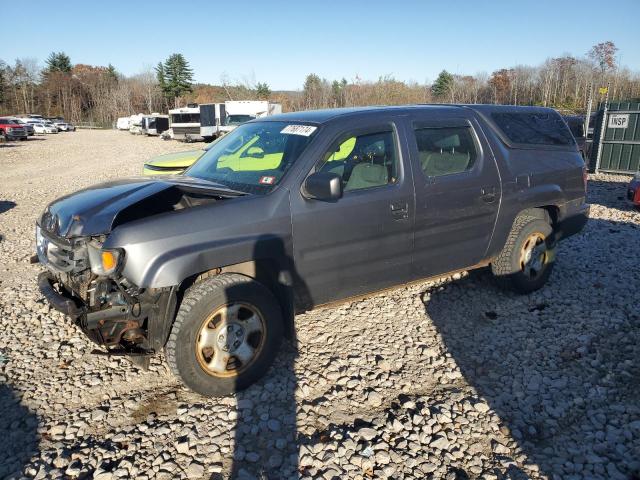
[(103, 327), (137, 327), (59, 300)]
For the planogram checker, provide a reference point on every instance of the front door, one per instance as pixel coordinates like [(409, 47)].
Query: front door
[(457, 194), (363, 242)]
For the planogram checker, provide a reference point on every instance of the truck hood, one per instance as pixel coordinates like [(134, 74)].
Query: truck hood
[(98, 209)]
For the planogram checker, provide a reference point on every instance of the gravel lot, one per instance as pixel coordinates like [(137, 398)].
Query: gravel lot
[(451, 379)]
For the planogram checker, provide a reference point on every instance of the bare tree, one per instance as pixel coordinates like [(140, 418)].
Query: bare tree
[(148, 80)]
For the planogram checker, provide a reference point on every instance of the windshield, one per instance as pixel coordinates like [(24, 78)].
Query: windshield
[(254, 157), (238, 119)]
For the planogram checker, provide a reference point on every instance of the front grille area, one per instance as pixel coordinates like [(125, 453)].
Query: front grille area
[(61, 255), (186, 130), (67, 260)]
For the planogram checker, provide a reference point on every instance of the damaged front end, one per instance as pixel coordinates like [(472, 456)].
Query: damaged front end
[(83, 281)]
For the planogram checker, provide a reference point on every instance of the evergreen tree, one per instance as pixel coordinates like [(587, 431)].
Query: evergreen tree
[(337, 90), (442, 85), (263, 91), (58, 62), (112, 73), (175, 77)]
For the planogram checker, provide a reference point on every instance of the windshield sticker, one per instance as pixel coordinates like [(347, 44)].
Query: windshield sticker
[(267, 180), (304, 130)]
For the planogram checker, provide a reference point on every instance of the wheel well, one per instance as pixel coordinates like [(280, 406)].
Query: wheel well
[(267, 272), (548, 213)]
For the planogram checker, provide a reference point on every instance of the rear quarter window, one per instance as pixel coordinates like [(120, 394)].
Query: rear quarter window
[(533, 128)]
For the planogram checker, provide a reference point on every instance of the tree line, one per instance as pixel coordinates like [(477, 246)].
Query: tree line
[(100, 94)]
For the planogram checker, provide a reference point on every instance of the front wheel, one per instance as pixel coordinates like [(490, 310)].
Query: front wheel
[(226, 335), (526, 261)]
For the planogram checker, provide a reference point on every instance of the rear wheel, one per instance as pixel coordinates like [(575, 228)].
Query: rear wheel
[(226, 335), (526, 261)]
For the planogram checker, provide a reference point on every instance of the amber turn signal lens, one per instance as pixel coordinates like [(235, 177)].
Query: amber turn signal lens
[(109, 261)]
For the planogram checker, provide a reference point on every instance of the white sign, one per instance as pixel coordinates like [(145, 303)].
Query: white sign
[(304, 130), (618, 120)]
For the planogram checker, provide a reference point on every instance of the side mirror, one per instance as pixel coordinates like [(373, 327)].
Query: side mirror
[(325, 186)]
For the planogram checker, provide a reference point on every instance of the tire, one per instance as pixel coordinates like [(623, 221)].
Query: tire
[(214, 313), (526, 261)]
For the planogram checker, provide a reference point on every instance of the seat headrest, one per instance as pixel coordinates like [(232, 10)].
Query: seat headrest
[(366, 175)]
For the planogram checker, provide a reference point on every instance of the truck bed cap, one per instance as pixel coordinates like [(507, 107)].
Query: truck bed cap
[(325, 115)]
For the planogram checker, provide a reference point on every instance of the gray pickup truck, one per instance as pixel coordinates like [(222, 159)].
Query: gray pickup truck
[(297, 210)]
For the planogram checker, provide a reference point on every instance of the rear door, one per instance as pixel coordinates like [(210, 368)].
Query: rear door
[(457, 192), (364, 241)]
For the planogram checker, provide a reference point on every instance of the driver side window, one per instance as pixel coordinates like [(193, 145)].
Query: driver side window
[(363, 161)]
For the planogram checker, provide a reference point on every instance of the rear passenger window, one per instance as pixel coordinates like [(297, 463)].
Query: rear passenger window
[(363, 161), (533, 128), (445, 151)]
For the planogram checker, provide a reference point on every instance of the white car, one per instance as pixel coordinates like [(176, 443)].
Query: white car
[(62, 126), (51, 128), (41, 129)]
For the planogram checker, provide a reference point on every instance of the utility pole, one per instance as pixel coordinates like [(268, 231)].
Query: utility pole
[(602, 128), (589, 106)]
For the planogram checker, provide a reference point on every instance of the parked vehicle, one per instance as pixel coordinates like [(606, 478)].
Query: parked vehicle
[(51, 127), (63, 126), (154, 124), (576, 126), (297, 210), (242, 111), (173, 163), (123, 123), (10, 129), (27, 126), (197, 122), (633, 191), (135, 124), (39, 128)]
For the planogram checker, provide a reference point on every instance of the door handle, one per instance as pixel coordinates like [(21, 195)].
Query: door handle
[(400, 210), (488, 194)]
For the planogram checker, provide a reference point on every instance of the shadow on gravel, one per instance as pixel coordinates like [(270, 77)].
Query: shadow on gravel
[(18, 434), (561, 366), (265, 441), (6, 205), (609, 193)]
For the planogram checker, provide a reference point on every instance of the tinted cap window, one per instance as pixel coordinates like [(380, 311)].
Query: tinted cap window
[(533, 128)]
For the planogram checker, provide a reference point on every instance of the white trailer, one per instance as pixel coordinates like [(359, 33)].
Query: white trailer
[(197, 122), (154, 124), (122, 123), (241, 111), (135, 124)]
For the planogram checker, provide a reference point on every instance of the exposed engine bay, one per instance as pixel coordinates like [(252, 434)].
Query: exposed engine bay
[(177, 197)]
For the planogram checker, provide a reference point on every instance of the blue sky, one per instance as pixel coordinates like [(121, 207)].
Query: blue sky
[(280, 42)]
